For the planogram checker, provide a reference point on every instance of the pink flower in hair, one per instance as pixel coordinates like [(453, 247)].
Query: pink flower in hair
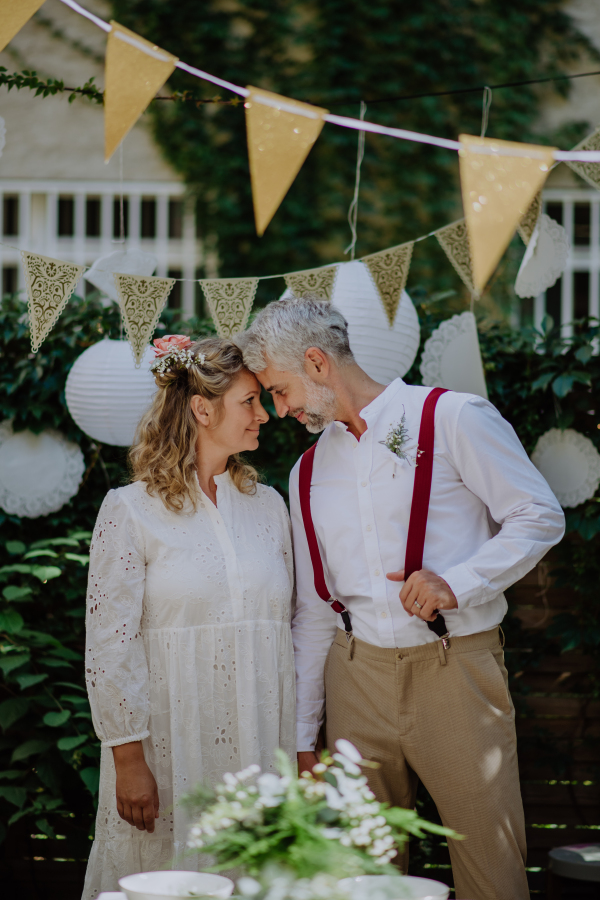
[(163, 346)]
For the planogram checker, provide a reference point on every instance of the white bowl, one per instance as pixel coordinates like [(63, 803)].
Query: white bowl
[(394, 887), (175, 885)]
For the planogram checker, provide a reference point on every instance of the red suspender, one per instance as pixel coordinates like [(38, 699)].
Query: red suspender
[(415, 541)]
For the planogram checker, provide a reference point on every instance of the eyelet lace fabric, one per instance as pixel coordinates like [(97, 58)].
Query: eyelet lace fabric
[(188, 650)]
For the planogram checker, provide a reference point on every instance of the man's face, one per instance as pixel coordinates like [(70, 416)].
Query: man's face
[(312, 404)]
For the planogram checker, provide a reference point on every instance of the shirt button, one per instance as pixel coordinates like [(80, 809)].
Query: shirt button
[(384, 615), (368, 528), (377, 572), (364, 483)]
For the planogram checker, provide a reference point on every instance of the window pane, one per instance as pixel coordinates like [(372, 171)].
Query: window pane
[(11, 216), (175, 218), (174, 301), (117, 217), (553, 303), (9, 280), (581, 294), (581, 236), (93, 217), (66, 217), (555, 211), (148, 223)]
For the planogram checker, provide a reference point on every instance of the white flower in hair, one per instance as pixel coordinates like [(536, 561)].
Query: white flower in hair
[(172, 352)]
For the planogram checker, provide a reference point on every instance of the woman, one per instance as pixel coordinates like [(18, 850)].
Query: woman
[(189, 661)]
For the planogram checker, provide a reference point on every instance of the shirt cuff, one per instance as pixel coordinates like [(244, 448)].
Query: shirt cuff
[(117, 742), (466, 587), (306, 737)]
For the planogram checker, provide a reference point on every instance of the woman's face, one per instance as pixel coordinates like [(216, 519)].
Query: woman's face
[(234, 426)]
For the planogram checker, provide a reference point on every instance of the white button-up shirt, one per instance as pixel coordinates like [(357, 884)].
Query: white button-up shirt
[(492, 517)]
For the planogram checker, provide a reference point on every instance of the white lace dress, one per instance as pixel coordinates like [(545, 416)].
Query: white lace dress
[(188, 650)]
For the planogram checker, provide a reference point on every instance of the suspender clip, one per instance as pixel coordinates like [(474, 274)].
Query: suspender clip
[(446, 641)]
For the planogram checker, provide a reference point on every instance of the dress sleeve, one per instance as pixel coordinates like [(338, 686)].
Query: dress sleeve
[(116, 668)]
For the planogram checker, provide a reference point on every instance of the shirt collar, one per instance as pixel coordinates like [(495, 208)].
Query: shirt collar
[(370, 412)]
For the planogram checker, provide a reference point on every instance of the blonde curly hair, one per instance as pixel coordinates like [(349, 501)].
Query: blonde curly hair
[(164, 453)]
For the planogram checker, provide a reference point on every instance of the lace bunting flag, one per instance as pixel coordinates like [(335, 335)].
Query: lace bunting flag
[(590, 172), (497, 190), (49, 283), (389, 270), (230, 302), (142, 299), (315, 283), (454, 241), (526, 226)]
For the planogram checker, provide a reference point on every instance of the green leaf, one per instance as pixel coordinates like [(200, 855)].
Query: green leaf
[(584, 354), (33, 553), (56, 542), (26, 681), (562, 385), (29, 748), (15, 795), (12, 710), (66, 653), (91, 778), (11, 621), (81, 535), (46, 573), (10, 775), (69, 743), (55, 719), (54, 663), (15, 548), (10, 662), (44, 826), (76, 557), (70, 684), (543, 381), (13, 593)]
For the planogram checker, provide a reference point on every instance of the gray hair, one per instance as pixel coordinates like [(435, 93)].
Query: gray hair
[(283, 331)]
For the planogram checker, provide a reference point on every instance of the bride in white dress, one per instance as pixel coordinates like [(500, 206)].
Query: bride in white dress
[(189, 661)]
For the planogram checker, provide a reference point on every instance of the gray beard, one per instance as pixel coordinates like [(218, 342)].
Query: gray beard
[(320, 407)]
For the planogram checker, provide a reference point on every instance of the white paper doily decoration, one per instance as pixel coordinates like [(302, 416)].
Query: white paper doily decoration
[(2, 134), (39, 473), (126, 262), (384, 353), (570, 464), (545, 258), (105, 393), (452, 358)]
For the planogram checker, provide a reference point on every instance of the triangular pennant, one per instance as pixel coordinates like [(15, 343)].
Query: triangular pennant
[(49, 283), (280, 133), (13, 15), (590, 172), (527, 224), (497, 190), (315, 283), (454, 241), (135, 71), (142, 298), (389, 270), (230, 302)]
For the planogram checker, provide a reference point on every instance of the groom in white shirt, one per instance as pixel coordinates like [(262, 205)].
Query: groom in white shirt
[(423, 708)]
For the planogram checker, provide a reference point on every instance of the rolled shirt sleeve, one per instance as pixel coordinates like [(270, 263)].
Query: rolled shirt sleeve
[(493, 464), (116, 668)]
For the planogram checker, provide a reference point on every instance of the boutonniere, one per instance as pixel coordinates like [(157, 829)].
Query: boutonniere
[(397, 438)]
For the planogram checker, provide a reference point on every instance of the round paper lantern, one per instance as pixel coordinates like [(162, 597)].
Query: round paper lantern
[(39, 473), (570, 464), (384, 353), (107, 395)]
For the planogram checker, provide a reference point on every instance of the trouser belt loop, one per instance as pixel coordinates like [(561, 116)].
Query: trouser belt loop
[(350, 640), (442, 653), (502, 637)]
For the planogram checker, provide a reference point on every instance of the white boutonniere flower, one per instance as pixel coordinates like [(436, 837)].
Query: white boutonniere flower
[(397, 439)]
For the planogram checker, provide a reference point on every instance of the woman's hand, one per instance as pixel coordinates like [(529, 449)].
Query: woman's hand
[(137, 793)]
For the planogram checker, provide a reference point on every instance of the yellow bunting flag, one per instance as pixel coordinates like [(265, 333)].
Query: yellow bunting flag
[(13, 15), (280, 134), (135, 71), (497, 190), (49, 283), (527, 224), (230, 302), (315, 283), (142, 298), (454, 241), (589, 171), (389, 270)]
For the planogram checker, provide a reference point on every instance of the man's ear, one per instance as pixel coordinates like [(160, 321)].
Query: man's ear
[(199, 410), (316, 364)]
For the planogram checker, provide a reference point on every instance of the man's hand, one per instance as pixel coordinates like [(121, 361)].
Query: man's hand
[(137, 793), (307, 759), (424, 593)]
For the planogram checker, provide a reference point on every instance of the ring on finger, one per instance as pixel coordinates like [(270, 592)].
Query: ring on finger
[(417, 604)]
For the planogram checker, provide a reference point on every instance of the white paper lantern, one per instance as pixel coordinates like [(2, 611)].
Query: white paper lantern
[(126, 262), (452, 358), (39, 473), (570, 464), (384, 353), (107, 395)]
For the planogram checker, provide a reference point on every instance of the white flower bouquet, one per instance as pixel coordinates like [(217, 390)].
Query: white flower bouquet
[(325, 823)]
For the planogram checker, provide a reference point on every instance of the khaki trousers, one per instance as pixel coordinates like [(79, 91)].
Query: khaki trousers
[(445, 717)]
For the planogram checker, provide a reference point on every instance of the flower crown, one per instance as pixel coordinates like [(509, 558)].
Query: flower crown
[(172, 352)]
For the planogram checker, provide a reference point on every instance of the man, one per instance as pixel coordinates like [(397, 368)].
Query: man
[(419, 707)]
